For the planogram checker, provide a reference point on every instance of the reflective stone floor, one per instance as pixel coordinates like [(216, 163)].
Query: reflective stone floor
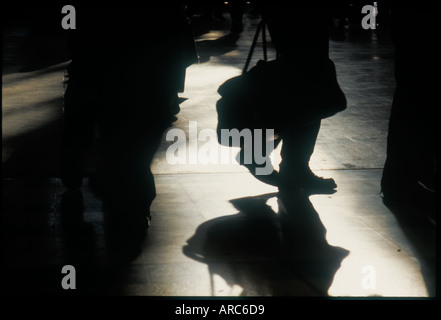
[(216, 230)]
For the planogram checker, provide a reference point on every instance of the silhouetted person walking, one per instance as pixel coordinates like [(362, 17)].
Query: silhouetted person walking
[(302, 48), (128, 64)]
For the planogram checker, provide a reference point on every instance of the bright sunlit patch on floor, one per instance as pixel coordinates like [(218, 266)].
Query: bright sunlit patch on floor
[(381, 259), (273, 204), (212, 35), (221, 288), (275, 156), (368, 274), (199, 77), (233, 54)]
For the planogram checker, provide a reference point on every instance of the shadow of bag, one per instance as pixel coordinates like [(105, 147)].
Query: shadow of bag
[(273, 96)]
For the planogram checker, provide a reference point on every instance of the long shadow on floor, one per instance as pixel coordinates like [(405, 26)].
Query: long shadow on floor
[(264, 252), (417, 218), (41, 234)]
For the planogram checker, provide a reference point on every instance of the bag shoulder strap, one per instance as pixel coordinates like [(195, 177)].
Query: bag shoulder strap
[(260, 27)]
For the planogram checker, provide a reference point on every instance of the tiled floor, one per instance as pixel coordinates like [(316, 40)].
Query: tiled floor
[(216, 230)]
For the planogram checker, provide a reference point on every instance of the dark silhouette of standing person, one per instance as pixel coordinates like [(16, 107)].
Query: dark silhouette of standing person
[(128, 64), (237, 10), (409, 175), (301, 38)]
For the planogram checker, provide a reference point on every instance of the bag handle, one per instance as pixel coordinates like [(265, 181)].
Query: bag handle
[(260, 27)]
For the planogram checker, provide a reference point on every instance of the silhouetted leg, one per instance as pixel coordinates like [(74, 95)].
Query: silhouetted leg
[(410, 165), (398, 174), (409, 175), (236, 8), (298, 146), (273, 177), (129, 183), (131, 137), (297, 149), (79, 124)]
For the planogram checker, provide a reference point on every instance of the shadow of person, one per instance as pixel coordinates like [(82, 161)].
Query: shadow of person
[(305, 248), (78, 236), (99, 271), (421, 233), (259, 252)]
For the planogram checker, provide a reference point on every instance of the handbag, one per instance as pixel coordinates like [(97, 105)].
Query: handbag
[(272, 96), (238, 107)]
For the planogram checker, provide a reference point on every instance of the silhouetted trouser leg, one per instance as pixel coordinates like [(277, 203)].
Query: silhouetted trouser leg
[(410, 168), (411, 150), (298, 146), (131, 133), (128, 178), (237, 9), (79, 124), (398, 173)]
